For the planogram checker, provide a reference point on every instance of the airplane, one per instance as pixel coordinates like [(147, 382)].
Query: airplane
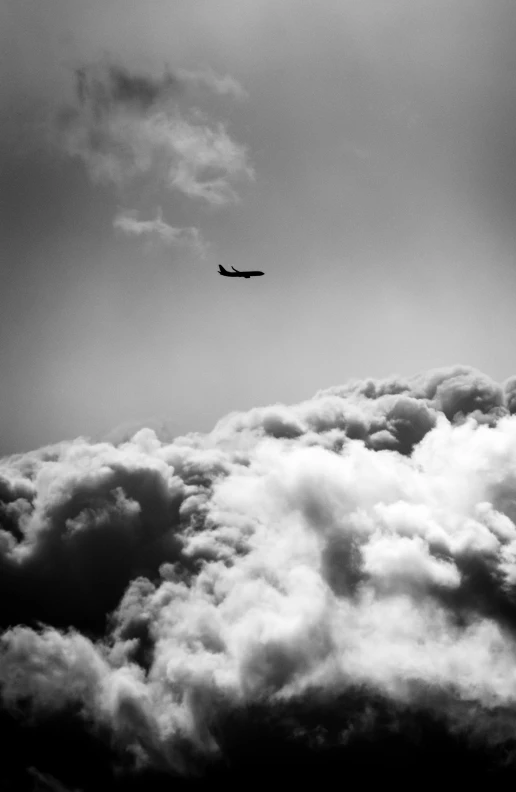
[(237, 274)]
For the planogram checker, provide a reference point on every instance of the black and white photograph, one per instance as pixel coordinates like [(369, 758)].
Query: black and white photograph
[(257, 395)]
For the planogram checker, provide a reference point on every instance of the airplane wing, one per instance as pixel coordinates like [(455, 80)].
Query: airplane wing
[(234, 269)]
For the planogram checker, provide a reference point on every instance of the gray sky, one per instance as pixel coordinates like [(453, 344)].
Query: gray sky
[(360, 152)]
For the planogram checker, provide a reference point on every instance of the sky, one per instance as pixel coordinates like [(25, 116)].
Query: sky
[(361, 154), (257, 530)]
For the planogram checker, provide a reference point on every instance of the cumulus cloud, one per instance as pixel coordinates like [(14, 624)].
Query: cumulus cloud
[(158, 230), (126, 126), (321, 577)]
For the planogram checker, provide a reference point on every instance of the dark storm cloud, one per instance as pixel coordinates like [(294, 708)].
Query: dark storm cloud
[(315, 578)]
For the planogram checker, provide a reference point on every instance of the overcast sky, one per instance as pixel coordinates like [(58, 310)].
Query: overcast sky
[(361, 152)]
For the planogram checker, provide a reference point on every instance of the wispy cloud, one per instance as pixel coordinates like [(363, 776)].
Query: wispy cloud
[(102, 86), (125, 126), (127, 223), (225, 85)]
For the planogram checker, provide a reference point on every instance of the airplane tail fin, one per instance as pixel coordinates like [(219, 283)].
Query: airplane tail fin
[(222, 271)]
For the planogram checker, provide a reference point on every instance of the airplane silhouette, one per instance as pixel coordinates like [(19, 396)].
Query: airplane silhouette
[(237, 274)]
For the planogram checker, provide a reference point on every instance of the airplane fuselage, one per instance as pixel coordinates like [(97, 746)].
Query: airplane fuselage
[(237, 274), (240, 274)]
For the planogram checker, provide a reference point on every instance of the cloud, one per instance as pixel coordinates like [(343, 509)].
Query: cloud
[(47, 781), (101, 87), (127, 127), (308, 579), (96, 517), (157, 229), (223, 85)]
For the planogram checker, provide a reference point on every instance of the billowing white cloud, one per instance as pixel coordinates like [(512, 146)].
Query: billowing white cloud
[(363, 540)]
